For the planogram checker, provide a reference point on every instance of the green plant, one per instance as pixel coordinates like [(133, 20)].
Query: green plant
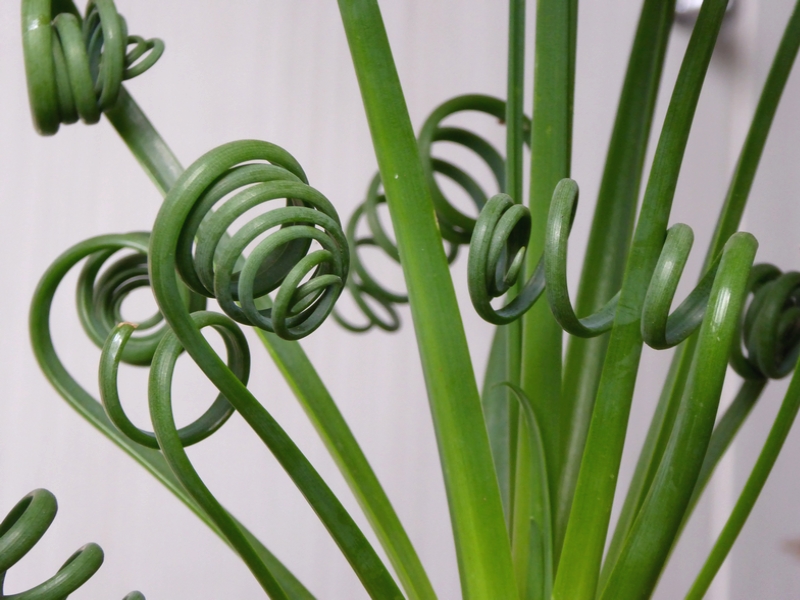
[(555, 505)]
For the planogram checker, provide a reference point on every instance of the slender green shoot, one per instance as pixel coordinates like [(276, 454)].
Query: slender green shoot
[(476, 510), (588, 523)]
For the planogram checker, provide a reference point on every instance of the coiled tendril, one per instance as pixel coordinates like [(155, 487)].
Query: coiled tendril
[(771, 326), (194, 240), (235, 178), (164, 360), (103, 285), (22, 529), (496, 259), (102, 289), (212, 263), (361, 283), (75, 68), (456, 227)]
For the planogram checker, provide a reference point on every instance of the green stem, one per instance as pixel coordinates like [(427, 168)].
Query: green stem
[(551, 142), (516, 99), (514, 183), (144, 142), (588, 523), (652, 534), (755, 483), (475, 507), (342, 446), (727, 224), (609, 240)]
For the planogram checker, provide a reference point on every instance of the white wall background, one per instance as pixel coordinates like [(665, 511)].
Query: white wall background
[(279, 70)]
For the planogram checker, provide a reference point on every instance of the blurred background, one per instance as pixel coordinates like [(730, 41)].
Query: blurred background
[(280, 71)]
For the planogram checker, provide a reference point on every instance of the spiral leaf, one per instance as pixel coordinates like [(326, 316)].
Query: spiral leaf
[(277, 262), (769, 331), (658, 520), (455, 226), (172, 440), (75, 68), (101, 293), (496, 258), (362, 283), (498, 248), (22, 529), (212, 263), (770, 327), (217, 414)]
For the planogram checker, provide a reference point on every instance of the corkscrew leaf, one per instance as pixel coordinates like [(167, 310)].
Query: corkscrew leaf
[(482, 546), (496, 260), (168, 253), (207, 257), (81, 400), (70, 64), (455, 226), (728, 222), (22, 529), (361, 283), (651, 536), (746, 366), (609, 240), (581, 557), (205, 425), (497, 253), (171, 441), (773, 317), (752, 488), (75, 67)]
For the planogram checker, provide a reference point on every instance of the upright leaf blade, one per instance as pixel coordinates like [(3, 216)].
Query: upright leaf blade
[(755, 483), (476, 510), (609, 240), (591, 510), (551, 150), (727, 224), (650, 539), (341, 444), (497, 412)]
